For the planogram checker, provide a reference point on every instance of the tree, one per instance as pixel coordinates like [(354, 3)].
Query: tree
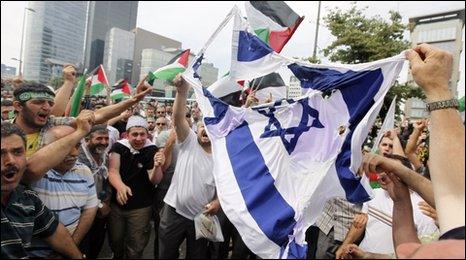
[(56, 82), (361, 39)]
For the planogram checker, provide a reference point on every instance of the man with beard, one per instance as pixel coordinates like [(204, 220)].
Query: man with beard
[(135, 166), (69, 191), (192, 190), (23, 213), (93, 154), (34, 103)]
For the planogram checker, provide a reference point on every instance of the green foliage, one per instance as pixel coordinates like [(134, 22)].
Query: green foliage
[(361, 39), (56, 82)]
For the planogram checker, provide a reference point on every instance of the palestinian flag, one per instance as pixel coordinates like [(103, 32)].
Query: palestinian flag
[(121, 90), (274, 22), (99, 82), (271, 84), (176, 65)]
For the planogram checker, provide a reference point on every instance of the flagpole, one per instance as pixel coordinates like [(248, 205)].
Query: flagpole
[(317, 33)]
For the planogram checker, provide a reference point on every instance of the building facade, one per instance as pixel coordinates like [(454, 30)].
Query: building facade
[(8, 72), (54, 30), (102, 17), (443, 30), (148, 40), (118, 54)]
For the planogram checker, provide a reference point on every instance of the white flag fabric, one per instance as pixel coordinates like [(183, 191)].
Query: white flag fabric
[(248, 51), (275, 166), (388, 123)]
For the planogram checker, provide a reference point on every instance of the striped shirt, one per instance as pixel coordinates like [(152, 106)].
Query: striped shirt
[(338, 214), (66, 196), (23, 217)]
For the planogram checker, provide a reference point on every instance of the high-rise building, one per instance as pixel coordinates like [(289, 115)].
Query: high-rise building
[(443, 30), (102, 16), (118, 54), (55, 30), (148, 40), (294, 89), (8, 72)]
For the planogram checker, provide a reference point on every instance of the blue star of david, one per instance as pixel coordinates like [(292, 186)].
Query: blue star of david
[(296, 131)]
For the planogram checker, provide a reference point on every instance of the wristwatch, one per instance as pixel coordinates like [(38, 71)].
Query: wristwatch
[(100, 205), (451, 103)]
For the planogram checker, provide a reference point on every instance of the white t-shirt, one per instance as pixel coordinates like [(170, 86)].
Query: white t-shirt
[(193, 184), (378, 237), (113, 137)]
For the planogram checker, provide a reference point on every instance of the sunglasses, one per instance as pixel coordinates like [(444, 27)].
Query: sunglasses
[(160, 124)]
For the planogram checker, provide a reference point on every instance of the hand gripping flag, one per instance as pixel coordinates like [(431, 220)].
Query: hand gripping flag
[(275, 166)]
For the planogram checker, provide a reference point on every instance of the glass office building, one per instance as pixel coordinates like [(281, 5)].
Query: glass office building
[(53, 30)]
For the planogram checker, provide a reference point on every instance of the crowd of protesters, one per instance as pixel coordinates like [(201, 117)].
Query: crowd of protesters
[(69, 183)]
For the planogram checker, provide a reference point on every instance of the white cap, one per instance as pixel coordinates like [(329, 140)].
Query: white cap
[(136, 121)]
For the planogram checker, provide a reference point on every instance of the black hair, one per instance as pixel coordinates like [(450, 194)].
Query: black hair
[(97, 128), (7, 102), (9, 129), (31, 87)]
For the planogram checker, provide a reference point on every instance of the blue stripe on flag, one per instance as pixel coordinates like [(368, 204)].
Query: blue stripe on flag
[(358, 89), (257, 187), (220, 108), (251, 48)]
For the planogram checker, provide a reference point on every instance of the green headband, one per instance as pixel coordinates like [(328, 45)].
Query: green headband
[(23, 97)]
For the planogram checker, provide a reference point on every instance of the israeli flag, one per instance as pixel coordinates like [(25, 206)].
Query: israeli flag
[(276, 165)]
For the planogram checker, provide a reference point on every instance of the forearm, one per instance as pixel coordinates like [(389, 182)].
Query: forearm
[(179, 115), (412, 157), (353, 235), (62, 98), (370, 255), (412, 140), (446, 164), (404, 230), (84, 224), (156, 175), (50, 156), (168, 156), (61, 242), (419, 184), (114, 179), (106, 113)]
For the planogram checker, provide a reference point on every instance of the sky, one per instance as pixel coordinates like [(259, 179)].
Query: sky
[(193, 22)]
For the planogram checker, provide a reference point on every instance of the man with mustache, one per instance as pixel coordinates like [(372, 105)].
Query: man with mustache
[(192, 189), (34, 103), (135, 166), (93, 154), (68, 190), (24, 216)]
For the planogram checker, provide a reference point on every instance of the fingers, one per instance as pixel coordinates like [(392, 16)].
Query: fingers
[(414, 58), (128, 190)]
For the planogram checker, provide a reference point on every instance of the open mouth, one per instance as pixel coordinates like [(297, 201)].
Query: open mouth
[(42, 116), (9, 174)]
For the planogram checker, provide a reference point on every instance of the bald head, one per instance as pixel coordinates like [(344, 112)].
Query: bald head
[(57, 132)]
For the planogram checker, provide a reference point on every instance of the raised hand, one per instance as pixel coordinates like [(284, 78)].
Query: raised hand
[(85, 120), (69, 73)]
